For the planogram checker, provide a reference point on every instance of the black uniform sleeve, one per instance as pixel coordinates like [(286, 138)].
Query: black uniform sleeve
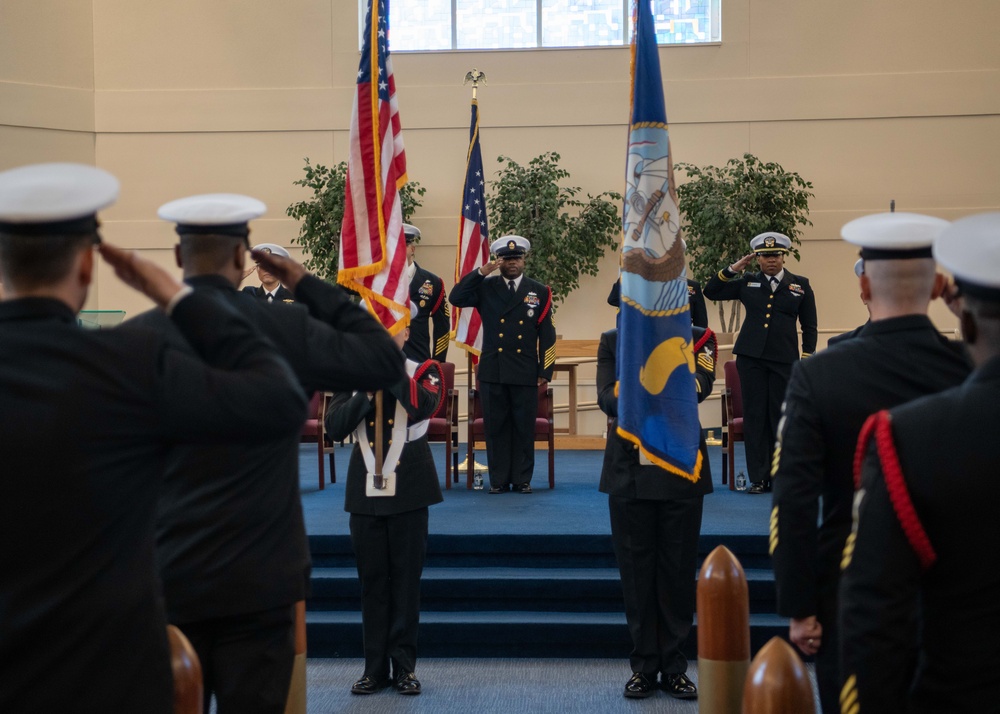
[(699, 313), (220, 395), (798, 482), (420, 394), (807, 319), (607, 376), (724, 285), (706, 348), (878, 596), (442, 325), (547, 341), (344, 412), (346, 348), (466, 291)]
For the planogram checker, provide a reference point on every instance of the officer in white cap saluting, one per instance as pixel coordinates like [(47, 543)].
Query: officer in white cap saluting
[(427, 293), (898, 356), (926, 521), (86, 418), (270, 288), (768, 345), (519, 349), (234, 558)]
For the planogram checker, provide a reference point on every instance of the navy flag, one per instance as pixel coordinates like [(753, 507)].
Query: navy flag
[(657, 401)]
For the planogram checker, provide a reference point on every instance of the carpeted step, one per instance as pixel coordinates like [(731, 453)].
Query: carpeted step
[(538, 589), (509, 634)]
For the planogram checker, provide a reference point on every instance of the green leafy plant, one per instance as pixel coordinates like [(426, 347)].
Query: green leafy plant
[(323, 214), (723, 208), (568, 235)]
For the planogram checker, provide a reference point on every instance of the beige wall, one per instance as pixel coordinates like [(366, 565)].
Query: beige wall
[(869, 101)]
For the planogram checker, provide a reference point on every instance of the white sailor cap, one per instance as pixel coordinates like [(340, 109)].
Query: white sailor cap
[(893, 236), (412, 233), (970, 250), (213, 213), (770, 243), (272, 248), (859, 267), (45, 199), (510, 247)]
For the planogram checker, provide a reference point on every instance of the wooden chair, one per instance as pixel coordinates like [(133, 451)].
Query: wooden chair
[(732, 422), (443, 424), (314, 430), (188, 685), (544, 429)]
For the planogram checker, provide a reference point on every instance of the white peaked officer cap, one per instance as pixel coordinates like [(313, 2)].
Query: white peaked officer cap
[(859, 267), (272, 248), (770, 242), (412, 233), (213, 213), (969, 249), (893, 236), (510, 246), (43, 199)]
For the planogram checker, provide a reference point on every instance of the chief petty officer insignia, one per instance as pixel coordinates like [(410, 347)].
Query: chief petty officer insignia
[(511, 245)]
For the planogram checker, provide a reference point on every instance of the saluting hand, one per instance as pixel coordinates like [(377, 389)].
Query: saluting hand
[(740, 265), (286, 270), (490, 267), (143, 275)]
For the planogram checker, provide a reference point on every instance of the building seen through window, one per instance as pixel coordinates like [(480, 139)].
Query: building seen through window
[(429, 25)]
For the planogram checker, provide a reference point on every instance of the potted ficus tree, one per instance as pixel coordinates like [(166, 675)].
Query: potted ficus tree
[(323, 213), (724, 207), (569, 234)]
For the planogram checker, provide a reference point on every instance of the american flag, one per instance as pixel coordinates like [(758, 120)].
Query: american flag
[(473, 239), (372, 246)]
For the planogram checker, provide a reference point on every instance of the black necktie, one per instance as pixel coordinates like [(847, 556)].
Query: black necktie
[(270, 297), (511, 288)]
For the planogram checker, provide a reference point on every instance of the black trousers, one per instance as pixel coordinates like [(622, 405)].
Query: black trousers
[(509, 412), (390, 552), (656, 544), (828, 657), (246, 660), (763, 383)]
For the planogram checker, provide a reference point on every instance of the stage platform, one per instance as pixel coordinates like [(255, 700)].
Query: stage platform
[(516, 575)]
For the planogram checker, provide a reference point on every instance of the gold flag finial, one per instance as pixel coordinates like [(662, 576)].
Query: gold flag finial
[(475, 76)]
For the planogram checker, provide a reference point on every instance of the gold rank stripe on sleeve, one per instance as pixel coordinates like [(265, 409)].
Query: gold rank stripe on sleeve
[(845, 558), (447, 309), (706, 362), (774, 531), (776, 459), (441, 343), (723, 277), (849, 697), (550, 356)]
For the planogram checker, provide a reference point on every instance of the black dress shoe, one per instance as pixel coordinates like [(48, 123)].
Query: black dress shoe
[(497, 489), (368, 685), (639, 686), (678, 686), (407, 683), (757, 488), (523, 488)]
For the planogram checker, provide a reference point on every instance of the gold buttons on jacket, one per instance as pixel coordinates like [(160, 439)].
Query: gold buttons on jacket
[(769, 304), (501, 334), (767, 315), (502, 320), (500, 349), (390, 422), (519, 351), (765, 324), (518, 337), (520, 322)]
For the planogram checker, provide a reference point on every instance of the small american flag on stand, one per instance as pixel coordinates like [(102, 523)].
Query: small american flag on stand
[(372, 246), (473, 240)]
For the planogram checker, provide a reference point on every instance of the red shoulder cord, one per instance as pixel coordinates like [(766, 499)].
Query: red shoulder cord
[(709, 335), (548, 306), (880, 425), (439, 300)]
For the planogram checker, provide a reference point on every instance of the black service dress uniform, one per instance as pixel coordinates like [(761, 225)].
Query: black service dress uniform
[(282, 294), (389, 534), (828, 399), (519, 348), (87, 419), (655, 523), (428, 294), (766, 349), (934, 561), (231, 544), (699, 313)]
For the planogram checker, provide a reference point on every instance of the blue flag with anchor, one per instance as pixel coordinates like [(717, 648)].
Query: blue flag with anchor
[(657, 401)]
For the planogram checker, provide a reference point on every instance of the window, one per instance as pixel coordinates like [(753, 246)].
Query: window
[(416, 25)]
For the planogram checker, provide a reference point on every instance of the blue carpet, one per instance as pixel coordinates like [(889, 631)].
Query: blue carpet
[(575, 507)]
